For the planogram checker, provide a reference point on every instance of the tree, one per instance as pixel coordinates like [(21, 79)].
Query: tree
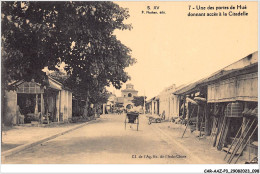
[(36, 35), (94, 58), (27, 42), (138, 100), (44, 34)]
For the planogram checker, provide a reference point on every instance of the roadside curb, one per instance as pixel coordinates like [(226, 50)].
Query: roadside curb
[(179, 145), (31, 144)]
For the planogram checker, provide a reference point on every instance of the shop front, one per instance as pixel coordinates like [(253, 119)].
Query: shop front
[(34, 103)]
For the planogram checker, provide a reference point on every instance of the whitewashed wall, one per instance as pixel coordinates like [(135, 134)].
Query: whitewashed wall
[(66, 104), (10, 104), (167, 103)]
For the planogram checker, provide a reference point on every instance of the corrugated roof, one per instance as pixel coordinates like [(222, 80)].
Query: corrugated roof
[(248, 64)]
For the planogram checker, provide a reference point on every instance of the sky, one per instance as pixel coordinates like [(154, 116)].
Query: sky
[(174, 48)]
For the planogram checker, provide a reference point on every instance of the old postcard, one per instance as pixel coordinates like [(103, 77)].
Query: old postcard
[(129, 82)]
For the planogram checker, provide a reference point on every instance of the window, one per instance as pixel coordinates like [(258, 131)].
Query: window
[(129, 95)]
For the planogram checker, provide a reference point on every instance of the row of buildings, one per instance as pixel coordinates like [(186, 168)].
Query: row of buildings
[(222, 106), (34, 102), (53, 102)]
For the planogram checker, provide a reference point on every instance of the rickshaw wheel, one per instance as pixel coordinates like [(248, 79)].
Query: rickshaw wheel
[(125, 123), (137, 123)]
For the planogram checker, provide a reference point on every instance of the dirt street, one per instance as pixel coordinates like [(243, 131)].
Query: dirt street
[(106, 141)]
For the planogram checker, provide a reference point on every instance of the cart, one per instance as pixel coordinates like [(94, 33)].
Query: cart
[(154, 119), (132, 118)]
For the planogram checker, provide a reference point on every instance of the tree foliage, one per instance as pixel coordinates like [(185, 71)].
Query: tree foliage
[(138, 100), (40, 34), (27, 42)]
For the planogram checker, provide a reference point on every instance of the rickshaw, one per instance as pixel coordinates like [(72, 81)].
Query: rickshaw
[(132, 118)]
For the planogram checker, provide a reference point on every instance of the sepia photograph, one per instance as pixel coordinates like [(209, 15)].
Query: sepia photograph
[(130, 82)]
